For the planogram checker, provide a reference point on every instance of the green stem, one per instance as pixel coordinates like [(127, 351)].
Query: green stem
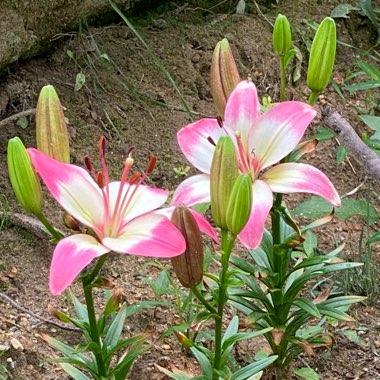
[(56, 235), (313, 97), (276, 219), (200, 297), (282, 79), (227, 244), (94, 332)]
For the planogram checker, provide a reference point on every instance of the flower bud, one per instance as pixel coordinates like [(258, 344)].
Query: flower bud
[(224, 75), (301, 149), (282, 35), (240, 204), (114, 301), (71, 223), (224, 171), (24, 180), (56, 313), (51, 129), (322, 56), (188, 266), (183, 339)]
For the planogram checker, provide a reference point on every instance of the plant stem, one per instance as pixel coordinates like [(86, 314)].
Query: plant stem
[(56, 234), (94, 332), (200, 297), (282, 79), (276, 219), (227, 244), (313, 98)]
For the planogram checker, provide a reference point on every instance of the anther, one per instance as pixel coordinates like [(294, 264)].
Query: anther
[(134, 178), (151, 165), (220, 121), (210, 140), (87, 163), (102, 146), (100, 179)]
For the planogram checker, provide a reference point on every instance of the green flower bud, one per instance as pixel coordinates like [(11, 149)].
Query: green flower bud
[(51, 129), (224, 171), (224, 75), (240, 204), (188, 266), (322, 56), (282, 35), (24, 180), (183, 339), (301, 149)]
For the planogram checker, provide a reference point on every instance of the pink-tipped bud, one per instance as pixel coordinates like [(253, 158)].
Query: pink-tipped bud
[(224, 75), (51, 129), (188, 266)]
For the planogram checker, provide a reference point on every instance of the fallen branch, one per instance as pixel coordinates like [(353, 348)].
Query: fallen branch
[(6, 298), (16, 116), (350, 139)]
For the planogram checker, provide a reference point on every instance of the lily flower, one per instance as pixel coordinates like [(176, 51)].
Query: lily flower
[(119, 214), (261, 141)]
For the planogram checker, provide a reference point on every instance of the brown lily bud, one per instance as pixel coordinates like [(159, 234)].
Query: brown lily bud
[(56, 313), (51, 128), (188, 266), (71, 223), (114, 302), (224, 75), (183, 339)]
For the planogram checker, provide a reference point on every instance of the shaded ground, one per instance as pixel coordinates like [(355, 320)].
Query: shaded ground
[(127, 99)]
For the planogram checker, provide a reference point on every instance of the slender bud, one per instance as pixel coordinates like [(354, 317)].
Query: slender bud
[(224, 75), (240, 204), (322, 56), (301, 149), (224, 171), (51, 128), (114, 301), (188, 266), (282, 35), (24, 180), (56, 313), (183, 339)]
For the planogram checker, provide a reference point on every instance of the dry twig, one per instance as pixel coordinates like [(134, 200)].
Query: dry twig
[(16, 116), (350, 139)]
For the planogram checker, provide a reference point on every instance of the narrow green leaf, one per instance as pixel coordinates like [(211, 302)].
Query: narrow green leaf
[(251, 369), (370, 70), (307, 373), (341, 154), (374, 238), (204, 362), (74, 372), (372, 122), (310, 243), (237, 337), (334, 313), (342, 301), (115, 329), (308, 306)]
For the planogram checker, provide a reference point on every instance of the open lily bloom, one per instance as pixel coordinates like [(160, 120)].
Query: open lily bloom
[(261, 141), (119, 213)]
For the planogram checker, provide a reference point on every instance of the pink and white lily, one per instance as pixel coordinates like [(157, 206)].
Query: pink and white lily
[(261, 141), (119, 213)]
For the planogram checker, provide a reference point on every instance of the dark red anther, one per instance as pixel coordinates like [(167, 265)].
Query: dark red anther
[(220, 121), (102, 146), (151, 165), (87, 163), (210, 140), (134, 178), (100, 179)]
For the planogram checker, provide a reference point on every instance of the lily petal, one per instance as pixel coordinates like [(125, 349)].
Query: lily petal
[(72, 187), (278, 131), (70, 257), (252, 233), (192, 190), (149, 235), (144, 199), (303, 178), (195, 145), (202, 222), (242, 109)]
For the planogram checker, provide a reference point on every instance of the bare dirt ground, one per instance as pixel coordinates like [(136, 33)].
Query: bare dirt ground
[(127, 99)]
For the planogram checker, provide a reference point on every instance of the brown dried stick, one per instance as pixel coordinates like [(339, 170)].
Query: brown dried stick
[(350, 139), (12, 118), (6, 298)]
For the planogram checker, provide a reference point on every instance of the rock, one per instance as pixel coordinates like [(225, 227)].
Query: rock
[(16, 344)]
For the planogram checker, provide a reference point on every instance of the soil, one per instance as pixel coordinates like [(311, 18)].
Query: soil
[(127, 98)]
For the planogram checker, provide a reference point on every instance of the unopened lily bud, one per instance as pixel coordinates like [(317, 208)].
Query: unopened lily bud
[(322, 56), (51, 129), (240, 204), (301, 149), (224, 171), (183, 339), (24, 180), (224, 75), (71, 223), (282, 35), (114, 302), (56, 313), (188, 266)]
